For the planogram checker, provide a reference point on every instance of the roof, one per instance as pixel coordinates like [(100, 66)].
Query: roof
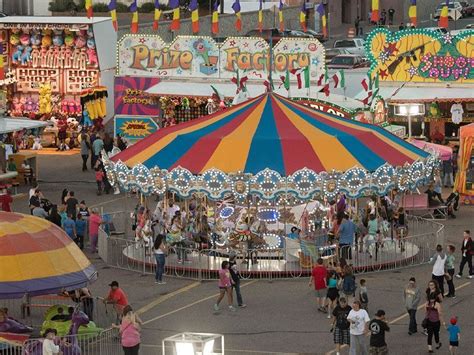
[(270, 132), (53, 20), (10, 124)]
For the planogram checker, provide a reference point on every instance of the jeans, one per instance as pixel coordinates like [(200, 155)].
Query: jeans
[(448, 179), (94, 159), (80, 241), (160, 266), (412, 328), (440, 280), (450, 282), (84, 162), (181, 251), (466, 259), (88, 307), (93, 239), (358, 345), (345, 251), (433, 329), (237, 292)]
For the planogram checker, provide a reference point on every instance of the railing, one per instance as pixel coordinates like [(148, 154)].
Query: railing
[(295, 260)]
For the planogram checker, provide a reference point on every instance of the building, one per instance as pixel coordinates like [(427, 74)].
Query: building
[(25, 7)]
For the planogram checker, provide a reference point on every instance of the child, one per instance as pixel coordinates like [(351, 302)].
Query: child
[(80, 230), (454, 335), (363, 296), (225, 286), (449, 271), (49, 346), (99, 177)]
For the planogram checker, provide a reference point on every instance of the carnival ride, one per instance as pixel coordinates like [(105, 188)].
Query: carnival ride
[(464, 183), (259, 160)]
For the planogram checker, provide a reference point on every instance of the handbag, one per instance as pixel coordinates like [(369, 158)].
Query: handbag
[(424, 323)]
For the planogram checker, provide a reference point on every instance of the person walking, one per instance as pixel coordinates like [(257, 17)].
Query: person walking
[(81, 225), (348, 282), (467, 250), (318, 280), (454, 335), (346, 234), (391, 14), (333, 293), (377, 327), (449, 271), (340, 324), (363, 295), (225, 286), (411, 298), (5, 201), (433, 321), (160, 250), (359, 320), (438, 261), (234, 273), (357, 26), (71, 205), (130, 328), (97, 147), (85, 150)]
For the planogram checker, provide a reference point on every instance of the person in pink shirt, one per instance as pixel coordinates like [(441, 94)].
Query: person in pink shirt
[(130, 331), (225, 286), (94, 222)]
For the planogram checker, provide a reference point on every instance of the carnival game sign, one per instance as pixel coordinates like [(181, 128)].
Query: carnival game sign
[(420, 55), (134, 127), (201, 57), (131, 97)]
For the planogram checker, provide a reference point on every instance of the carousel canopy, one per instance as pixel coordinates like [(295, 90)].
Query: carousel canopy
[(37, 257), (270, 132)]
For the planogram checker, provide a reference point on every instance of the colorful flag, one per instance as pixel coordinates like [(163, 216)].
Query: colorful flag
[(175, 23), (286, 83), (302, 74), (339, 79), (238, 19), (443, 20), (375, 11), (194, 8), (215, 18), (326, 89), (412, 12), (280, 16), (134, 10), (113, 13), (303, 16), (322, 14), (88, 6), (157, 15), (260, 16)]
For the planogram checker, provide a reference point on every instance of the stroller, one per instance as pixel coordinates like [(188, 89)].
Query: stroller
[(452, 202)]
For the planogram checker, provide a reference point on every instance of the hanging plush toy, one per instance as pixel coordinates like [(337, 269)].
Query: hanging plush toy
[(80, 41), (46, 40), (35, 39), (14, 39), (16, 56), (45, 104), (91, 53), (69, 40), (86, 120)]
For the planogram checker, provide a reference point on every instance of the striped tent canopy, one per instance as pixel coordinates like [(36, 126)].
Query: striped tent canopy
[(270, 146), (270, 132), (37, 257)]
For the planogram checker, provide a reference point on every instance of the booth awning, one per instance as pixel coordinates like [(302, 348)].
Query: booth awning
[(425, 94), (8, 125)]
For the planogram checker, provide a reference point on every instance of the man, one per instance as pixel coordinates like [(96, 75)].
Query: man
[(69, 227), (346, 234), (359, 320), (234, 273), (412, 297), (378, 327), (85, 148), (383, 17), (448, 172), (97, 147), (318, 279), (117, 297), (357, 26), (170, 212), (391, 13), (467, 251), (94, 222), (35, 200), (71, 205), (6, 201), (438, 261)]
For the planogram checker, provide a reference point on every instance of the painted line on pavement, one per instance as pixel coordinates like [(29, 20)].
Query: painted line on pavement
[(401, 317), (163, 298), (190, 305), (107, 202)]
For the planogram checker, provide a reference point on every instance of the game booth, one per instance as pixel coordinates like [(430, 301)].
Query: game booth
[(263, 167), (58, 69), (464, 183)]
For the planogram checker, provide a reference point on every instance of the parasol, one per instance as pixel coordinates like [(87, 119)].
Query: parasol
[(38, 257), (444, 152)]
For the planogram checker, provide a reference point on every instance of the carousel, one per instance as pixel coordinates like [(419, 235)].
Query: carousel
[(266, 171)]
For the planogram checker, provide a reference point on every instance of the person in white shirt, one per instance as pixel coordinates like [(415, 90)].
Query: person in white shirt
[(438, 260), (171, 211), (49, 347), (359, 320)]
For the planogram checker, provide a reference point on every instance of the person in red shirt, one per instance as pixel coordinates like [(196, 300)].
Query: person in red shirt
[(117, 297), (6, 201), (318, 279)]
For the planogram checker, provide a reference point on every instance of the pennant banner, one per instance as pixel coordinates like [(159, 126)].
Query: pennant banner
[(280, 16), (374, 17), (113, 13), (412, 13), (134, 10), (238, 17), (215, 18), (194, 8), (260, 16), (88, 6), (443, 20), (303, 16), (176, 22), (157, 16), (322, 14)]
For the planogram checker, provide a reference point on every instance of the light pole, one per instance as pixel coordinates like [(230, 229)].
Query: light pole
[(409, 110)]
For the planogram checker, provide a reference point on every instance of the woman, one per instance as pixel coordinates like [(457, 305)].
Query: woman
[(433, 291), (130, 331), (54, 216), (159, 249), (85, 150), (348, 283), (225, 286), (64, 196), (332, 294), (433, 320), (202, 230)]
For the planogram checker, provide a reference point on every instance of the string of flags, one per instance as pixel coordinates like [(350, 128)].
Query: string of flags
[(238, 17), (134, 10), (371, 89), (412, 13), (443, 20)]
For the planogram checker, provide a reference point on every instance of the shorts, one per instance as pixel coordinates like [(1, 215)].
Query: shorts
[(341, 336), (333, 293), (320, 293), (454, 343), (378, 350)]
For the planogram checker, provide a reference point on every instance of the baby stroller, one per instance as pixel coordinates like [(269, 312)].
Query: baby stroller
[(452, 202)]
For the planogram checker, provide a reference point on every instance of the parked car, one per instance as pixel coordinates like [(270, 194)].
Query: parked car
[(454, 10), (467, 9), (332, 52), (352, 45), (274, 34), (441, 30), (348, 61), (296, 33), (318, 35)]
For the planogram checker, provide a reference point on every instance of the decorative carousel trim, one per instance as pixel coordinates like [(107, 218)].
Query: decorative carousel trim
[(267, 184)]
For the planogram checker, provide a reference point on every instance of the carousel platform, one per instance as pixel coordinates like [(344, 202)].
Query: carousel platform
[(281, 263)]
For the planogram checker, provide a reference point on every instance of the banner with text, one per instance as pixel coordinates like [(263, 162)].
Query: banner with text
[(134, 128)]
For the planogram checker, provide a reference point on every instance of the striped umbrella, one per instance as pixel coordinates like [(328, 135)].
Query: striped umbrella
[(38, 257), (271, 132)]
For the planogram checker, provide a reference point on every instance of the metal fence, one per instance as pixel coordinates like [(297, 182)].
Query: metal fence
[(296, 260)]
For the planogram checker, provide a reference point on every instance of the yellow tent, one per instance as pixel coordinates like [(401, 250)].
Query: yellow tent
[(466, 144)]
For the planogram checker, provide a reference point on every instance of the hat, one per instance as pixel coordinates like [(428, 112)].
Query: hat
[(453, 320), (114, 283), (380, 313)]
